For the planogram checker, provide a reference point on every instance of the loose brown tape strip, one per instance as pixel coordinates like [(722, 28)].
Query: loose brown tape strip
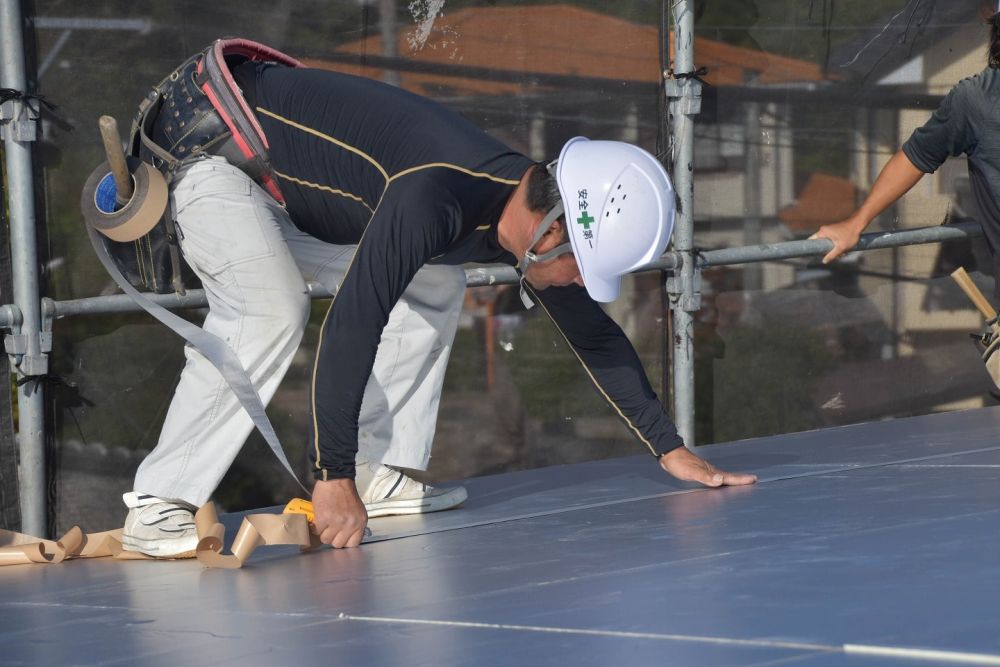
[(256, 530)]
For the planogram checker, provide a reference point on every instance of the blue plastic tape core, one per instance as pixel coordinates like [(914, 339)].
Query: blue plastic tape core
[(105, 195)]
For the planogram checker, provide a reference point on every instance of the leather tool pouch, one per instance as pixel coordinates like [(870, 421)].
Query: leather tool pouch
[(195, 111)]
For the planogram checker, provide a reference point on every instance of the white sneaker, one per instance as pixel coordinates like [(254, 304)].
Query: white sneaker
[(386, 491), (158, 527)]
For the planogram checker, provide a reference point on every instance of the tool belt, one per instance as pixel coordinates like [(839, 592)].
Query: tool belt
[(197, 110), (988, 341)]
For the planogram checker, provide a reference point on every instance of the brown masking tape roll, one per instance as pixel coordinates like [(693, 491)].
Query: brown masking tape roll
[(138, 216)]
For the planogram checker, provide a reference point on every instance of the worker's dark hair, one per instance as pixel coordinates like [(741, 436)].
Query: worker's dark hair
[(543, 191), (543, 194), (994, 56)]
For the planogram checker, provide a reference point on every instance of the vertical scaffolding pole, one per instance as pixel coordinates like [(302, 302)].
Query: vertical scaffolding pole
[(685, 103), (753, 274), (18, 126), (387, 30)]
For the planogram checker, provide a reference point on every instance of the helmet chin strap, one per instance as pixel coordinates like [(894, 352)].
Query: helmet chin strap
[(543, 226), (530, 257)]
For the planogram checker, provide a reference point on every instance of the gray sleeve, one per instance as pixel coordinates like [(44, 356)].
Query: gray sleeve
[(950, 131)]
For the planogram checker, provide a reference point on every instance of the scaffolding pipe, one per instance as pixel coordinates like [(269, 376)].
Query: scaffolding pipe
[(498, 274), (10, 317), (818, 247), (753, 148), (685, 102), (19, 124)]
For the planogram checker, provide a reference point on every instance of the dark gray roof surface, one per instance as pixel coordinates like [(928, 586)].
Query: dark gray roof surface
[(871, 545)]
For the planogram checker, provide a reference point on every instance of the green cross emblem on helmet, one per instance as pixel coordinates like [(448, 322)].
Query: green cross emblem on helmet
[(585, 220)]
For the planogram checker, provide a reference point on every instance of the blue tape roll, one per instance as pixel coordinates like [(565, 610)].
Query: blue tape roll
[(105, 196), (139, 215)]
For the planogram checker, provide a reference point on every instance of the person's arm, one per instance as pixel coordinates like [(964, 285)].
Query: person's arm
[(950, 131), (895, 180), (413, 222), (610, 360)]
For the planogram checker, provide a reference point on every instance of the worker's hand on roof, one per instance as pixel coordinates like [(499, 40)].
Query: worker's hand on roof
[(687, 467), (340, 515), (844, 234)]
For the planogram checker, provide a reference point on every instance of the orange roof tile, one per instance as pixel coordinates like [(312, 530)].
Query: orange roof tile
[(824, 199), (557, 39)]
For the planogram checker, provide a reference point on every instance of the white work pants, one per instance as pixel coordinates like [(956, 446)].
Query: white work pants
[(253, 264)]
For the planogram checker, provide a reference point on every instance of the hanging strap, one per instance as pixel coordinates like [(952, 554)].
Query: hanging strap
[(213, 348)]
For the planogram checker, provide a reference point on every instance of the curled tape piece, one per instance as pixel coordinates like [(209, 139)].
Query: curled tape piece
[(20, 549), (138, 216), (256, 530)]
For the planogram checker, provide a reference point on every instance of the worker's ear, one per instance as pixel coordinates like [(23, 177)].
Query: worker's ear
[(557, 229)]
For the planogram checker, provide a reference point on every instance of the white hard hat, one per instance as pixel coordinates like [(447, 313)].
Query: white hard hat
[(619, 208)]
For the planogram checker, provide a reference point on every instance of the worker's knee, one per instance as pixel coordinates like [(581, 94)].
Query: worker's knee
[(287, 316)]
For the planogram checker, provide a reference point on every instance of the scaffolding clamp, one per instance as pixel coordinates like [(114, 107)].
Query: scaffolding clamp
[(16, 345), (684, 90), (18, 116), (679, 298)]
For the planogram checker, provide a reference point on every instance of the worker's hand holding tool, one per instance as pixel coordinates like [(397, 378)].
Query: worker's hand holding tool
[(340, 516), (685, 466), (989, 339)]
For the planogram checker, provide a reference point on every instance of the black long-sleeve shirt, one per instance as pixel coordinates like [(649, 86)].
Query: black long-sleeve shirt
[(409, 182)]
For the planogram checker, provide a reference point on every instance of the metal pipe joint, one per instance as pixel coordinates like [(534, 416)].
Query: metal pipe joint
[(18, 120), (688, 93)]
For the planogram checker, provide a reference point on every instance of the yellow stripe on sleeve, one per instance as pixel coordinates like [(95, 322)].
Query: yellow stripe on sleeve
[(326, 137), (324, 188)]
